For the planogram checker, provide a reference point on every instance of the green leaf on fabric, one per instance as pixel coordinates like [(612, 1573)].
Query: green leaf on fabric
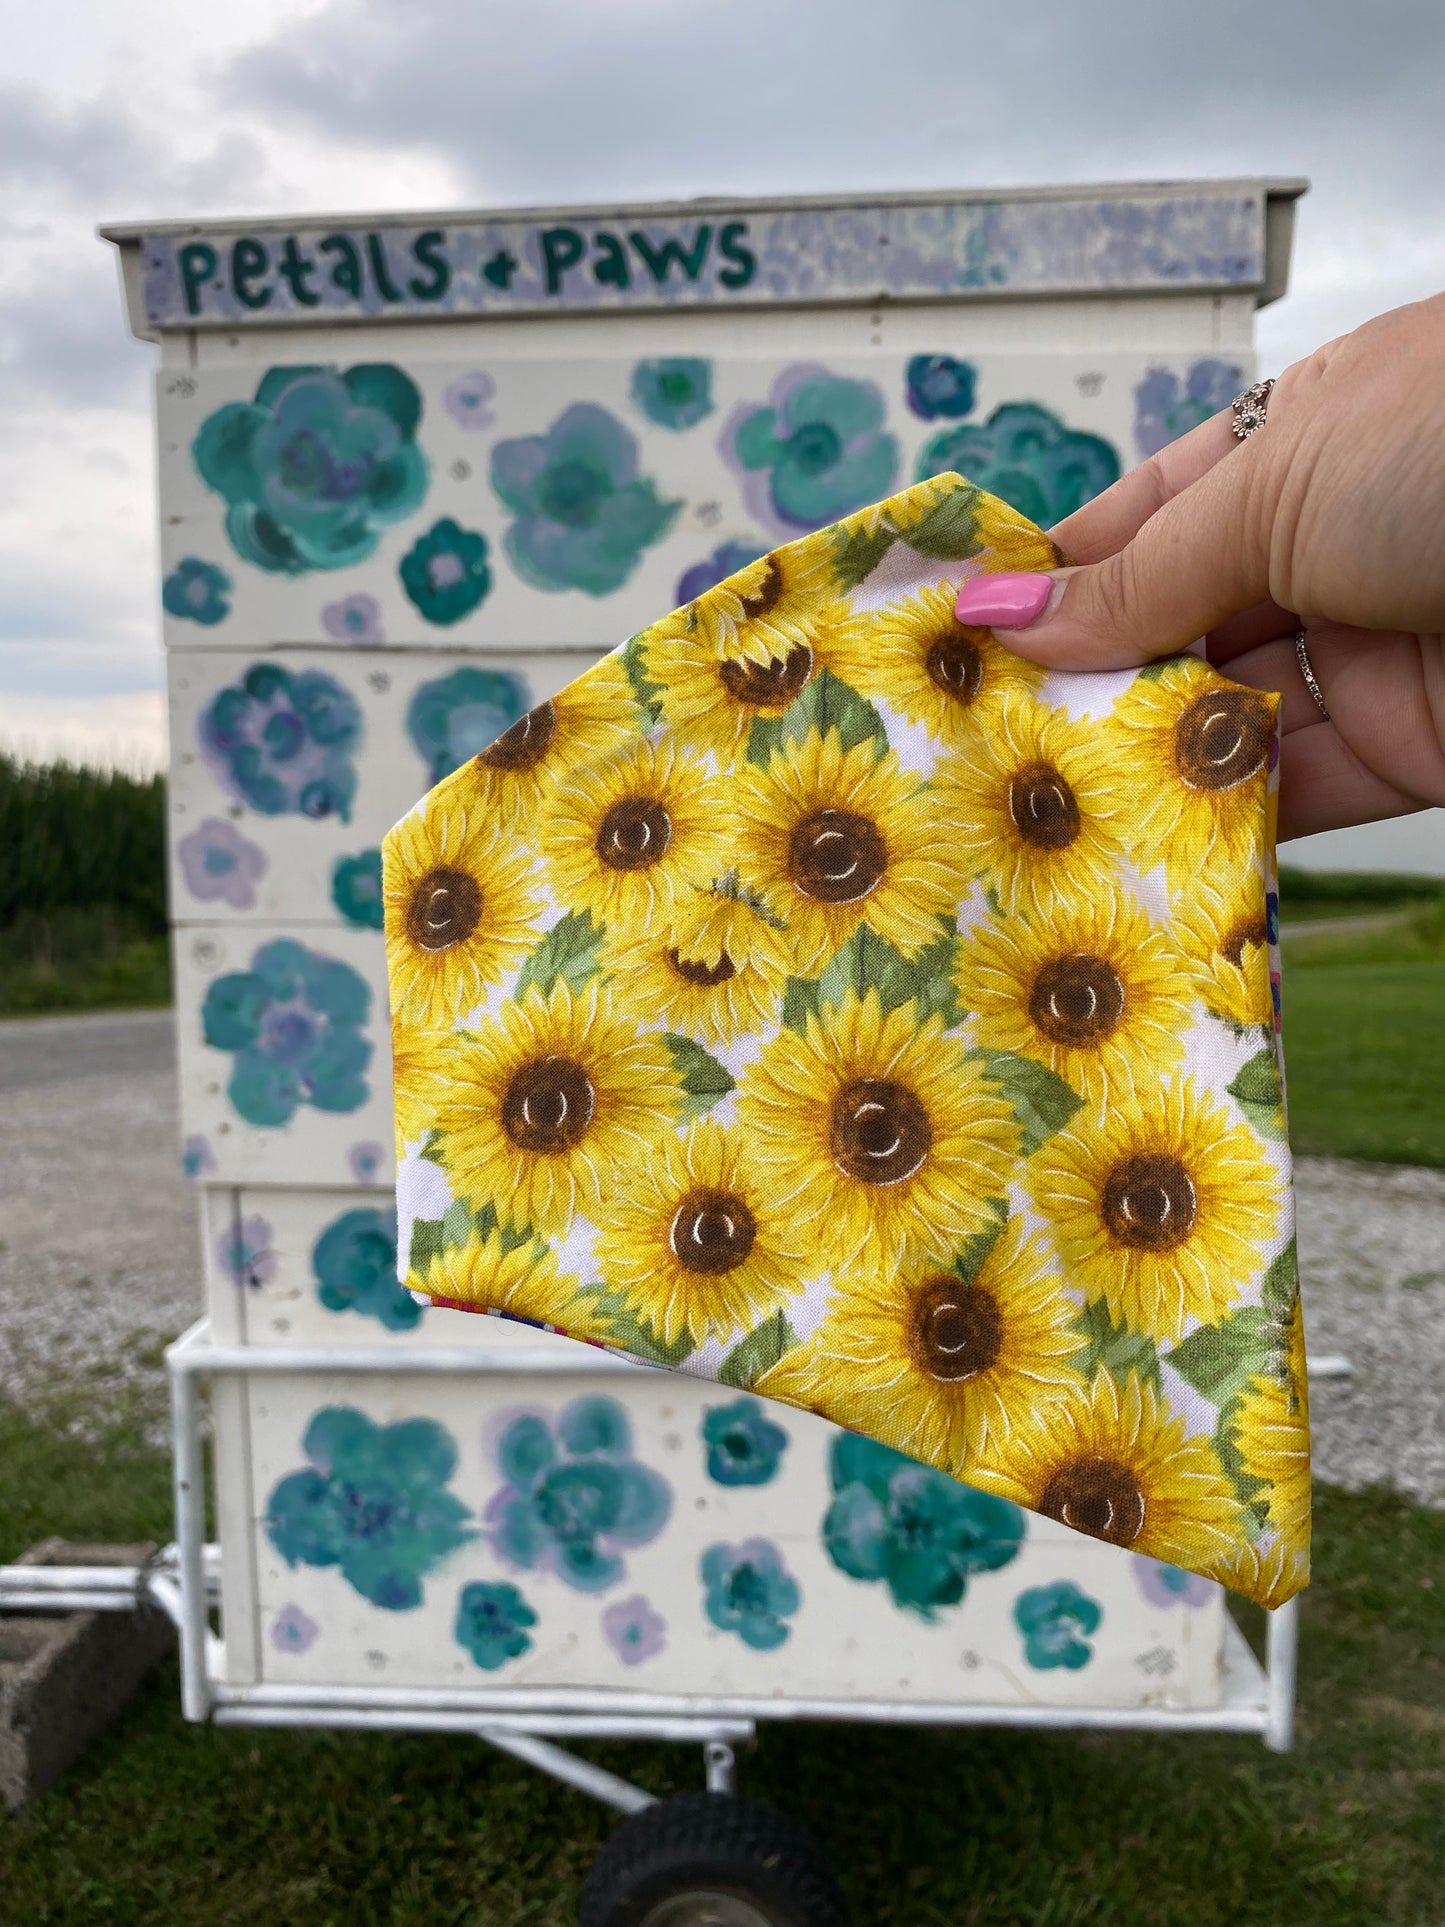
[(968, 1259), (800, 1002), (704, 1079), (857, 553), (457, 1224), (1040, 1099), (949, 531), (569, 953), (1259, 1094), (647, 693), (1281, 1283), (1247, 1488), (825, 703), (757, 1353), (1114, 1348), (869, 962), (427, 1242), (432, 1149), (1220, 1360), (1152, 671), (635, 1335)]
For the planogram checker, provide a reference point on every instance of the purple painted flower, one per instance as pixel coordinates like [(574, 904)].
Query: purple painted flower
[(220, 865), (364, 1160), (197, 1158), (724, 561), (356, 618), (1166, 407), (243, 1251), (1164, 1585), (293, 1631), (633, 1630), (467, 399)]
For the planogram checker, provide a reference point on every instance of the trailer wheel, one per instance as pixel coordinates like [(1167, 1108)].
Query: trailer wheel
[(710, 1860)]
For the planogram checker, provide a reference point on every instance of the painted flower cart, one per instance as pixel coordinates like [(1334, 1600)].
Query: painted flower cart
[(415, 474)]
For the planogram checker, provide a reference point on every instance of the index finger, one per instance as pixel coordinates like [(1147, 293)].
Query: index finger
[(1103, 526)]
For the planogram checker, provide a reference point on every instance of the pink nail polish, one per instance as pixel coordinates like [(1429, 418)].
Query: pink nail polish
[(1005, 601)]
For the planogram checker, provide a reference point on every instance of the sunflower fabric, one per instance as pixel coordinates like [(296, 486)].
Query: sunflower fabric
[(816, 997)]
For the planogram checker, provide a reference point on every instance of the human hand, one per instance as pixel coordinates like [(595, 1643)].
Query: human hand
[(1330, 518)]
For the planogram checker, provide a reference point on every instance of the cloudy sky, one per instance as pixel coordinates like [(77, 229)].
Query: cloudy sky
[(160, 109)]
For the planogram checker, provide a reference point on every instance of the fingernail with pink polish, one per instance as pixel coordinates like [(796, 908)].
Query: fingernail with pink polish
[(1007, 601)]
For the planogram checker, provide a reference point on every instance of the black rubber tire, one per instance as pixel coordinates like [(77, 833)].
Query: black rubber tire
[(714, 1843)]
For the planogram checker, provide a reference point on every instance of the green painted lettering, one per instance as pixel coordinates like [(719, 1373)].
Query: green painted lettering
[(610, 268), (659, 260), (346, 274), (500, 269), (249, 262), (732, 247), (381, 270), (298, 269), (429, 251), (197, 264), (562, 248)]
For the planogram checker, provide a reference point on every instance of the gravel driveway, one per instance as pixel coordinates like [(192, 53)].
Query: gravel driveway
[(98, 1244)]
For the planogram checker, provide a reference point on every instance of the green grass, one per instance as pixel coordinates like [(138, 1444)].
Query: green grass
[(75, 960), (1365, 1054), (222, 1827)]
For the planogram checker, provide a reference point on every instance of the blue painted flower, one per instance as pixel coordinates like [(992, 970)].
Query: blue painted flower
[(373, 1501), (197, 592), (356, 888), (456, 716), (316, 466), (283, 742), (1056, 1622), (445, 571), (1026, 455), (743, 1444), (492, 1624), (219, 865), (724, 561), (1165, 1585), (940, 386), (749, 1591), (244, 1252), (354, 1264), (675, 392), (468, 399), (919, 1531), (295, 1021), (198, 1160), (355, 619), (584, 514), (816, 451), (575, 1498), (633, 1630), (366, 1159), (293, 1631), (1166, 407)]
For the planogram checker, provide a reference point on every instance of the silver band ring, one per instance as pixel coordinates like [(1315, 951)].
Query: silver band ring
[(1249, 409), (1302, 655)]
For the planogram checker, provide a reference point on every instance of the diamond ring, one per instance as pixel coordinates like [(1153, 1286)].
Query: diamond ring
[(1250, 408), (1309, 675)]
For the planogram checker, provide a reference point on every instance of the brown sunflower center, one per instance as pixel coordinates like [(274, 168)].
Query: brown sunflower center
[(634, 834), (836, 856), (525, 743), (1149, 1202), (769, 591), (444, 908), (712, 1232), (548, 1105), (700, 975), (954, 664), (1222, 738), (1097, 1495), (1077, 1000), (1252, 930), (767, 685), (955, 1330), (1043, 807), (880, 1131)]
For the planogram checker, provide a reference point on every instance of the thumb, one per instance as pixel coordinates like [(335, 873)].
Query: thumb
[(1202, 557)]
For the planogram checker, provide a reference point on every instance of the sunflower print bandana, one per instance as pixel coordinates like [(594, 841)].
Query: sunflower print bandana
[(816, 997)]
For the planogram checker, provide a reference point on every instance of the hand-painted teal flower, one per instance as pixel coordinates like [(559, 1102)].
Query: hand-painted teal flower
[(372, 1501), (743, 1444), (354, 1264), (293, 1631), (575, 1498), (356, 888), (919, 1531), (456, 716), (354, 619), (1166, 407), (634, 1630), (197, 592), (1166, 1585), (245, 1252), (283, 742), (816, 451), (492, 1624), (1028, 458), (1056, 1622), (445, 571), (749, 1591), (198, 1160), (724, 561), (937, 385), (584, 515), (675, 392), (295, 1023), (316, 466)]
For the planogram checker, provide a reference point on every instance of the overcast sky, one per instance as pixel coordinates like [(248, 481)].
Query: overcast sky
[(163, 109)]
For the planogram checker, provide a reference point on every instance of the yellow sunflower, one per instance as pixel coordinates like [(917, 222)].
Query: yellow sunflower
[(830, 839), (1010, 540), (545, 1108), (497, 1274), (460, 910), (919, 658), (1037, 807), (697, 1240), (1222, 922), (765, 611), (515, 777), (1199, 750), (713, 970), (1271, 1428), (418, 1077), (1160, 1208), (931, 1366), (1268, 1572), (629, 832), (1094, 990), (1115, 1464), (880, 1133)]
